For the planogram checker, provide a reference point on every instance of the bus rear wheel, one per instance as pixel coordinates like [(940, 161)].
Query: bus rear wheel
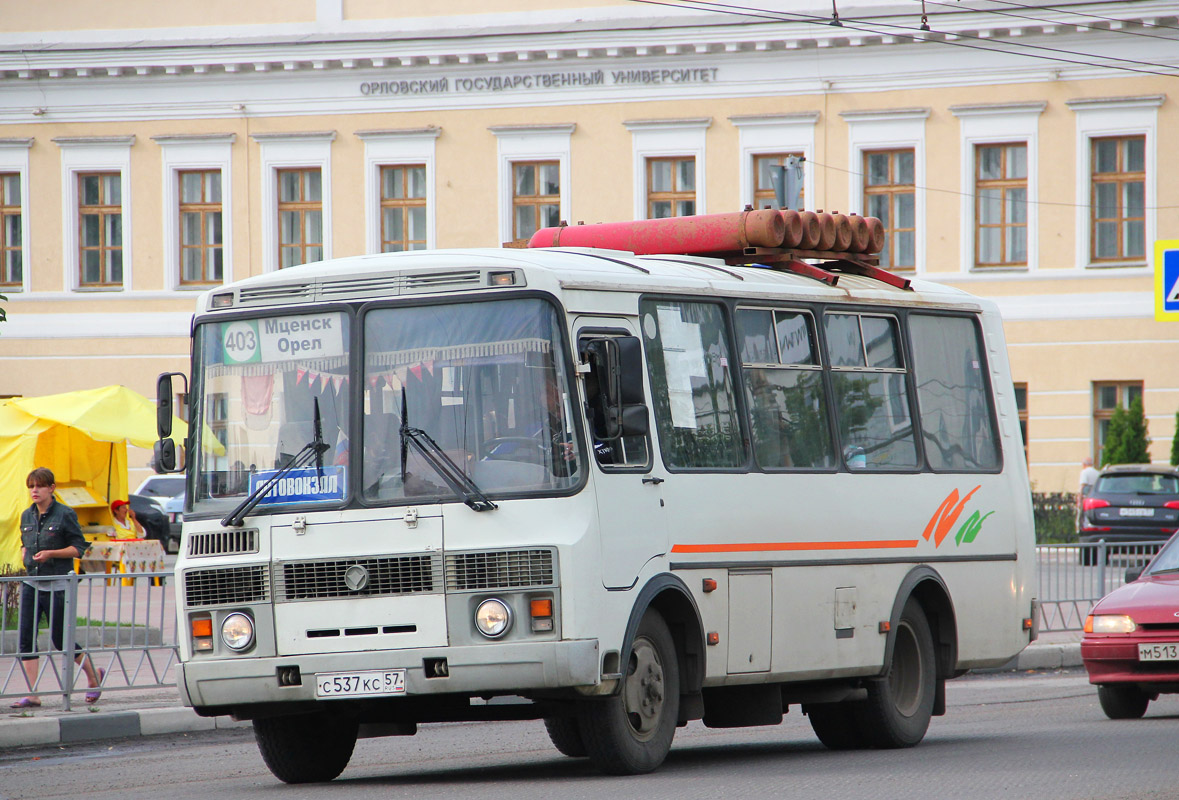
[(900, 705), (306, 748), (631, 733)]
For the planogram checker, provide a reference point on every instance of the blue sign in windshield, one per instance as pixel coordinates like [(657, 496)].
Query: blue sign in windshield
[(307, 485)]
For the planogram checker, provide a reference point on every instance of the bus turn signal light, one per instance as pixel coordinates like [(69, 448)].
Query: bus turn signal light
[(202, 634), (542, 614)]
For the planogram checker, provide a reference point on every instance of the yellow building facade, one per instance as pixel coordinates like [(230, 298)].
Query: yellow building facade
[(1019, 155)]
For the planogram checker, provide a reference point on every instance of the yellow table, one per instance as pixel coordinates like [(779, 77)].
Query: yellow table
[(124, 556)]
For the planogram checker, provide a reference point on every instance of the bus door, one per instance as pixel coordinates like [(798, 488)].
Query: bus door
[(626, 478)]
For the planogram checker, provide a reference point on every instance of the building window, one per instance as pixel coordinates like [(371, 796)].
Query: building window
[(763, 191), (1001, 205), (100, 225), (1118, 200), (11, 267), (403, 208), (300, 216), (1021, 405), (536, 197), (1106, 398), (890, 193), (201, 254), (671, 187)]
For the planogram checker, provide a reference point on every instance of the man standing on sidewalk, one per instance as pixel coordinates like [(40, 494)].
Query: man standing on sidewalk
[(50, 541)]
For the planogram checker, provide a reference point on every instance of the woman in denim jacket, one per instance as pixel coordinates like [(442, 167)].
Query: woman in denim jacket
[(50, 541)]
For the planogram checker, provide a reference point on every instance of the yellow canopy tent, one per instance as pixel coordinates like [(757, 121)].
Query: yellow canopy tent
[(82, 436)]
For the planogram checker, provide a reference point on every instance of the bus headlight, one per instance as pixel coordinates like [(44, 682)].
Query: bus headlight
[(493, 618), (237, 631)]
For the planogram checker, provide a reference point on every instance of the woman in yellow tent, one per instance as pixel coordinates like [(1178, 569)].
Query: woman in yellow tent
[(126, 525)]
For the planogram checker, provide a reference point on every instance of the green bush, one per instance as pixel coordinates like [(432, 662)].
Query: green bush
[(1055, 515)]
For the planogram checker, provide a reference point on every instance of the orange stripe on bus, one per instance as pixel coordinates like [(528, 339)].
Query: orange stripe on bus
[(754, 547)]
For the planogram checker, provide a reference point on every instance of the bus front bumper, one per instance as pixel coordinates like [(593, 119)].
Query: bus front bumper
[(483, 669)]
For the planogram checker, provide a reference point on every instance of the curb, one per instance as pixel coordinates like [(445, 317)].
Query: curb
[(1043, 656), (113, 725)]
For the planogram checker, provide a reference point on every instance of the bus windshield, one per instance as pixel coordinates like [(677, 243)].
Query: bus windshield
[(477, 388)]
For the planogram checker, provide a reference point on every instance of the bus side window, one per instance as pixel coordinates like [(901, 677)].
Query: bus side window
[(870, 394), (952, 395), (784, 388), (629, 451)]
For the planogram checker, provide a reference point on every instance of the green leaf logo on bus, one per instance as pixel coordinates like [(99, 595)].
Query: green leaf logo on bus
[(947, 514)]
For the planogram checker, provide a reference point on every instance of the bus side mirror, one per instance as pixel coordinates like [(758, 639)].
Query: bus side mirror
[(1133, 574), (164, 406), (165, 452), (165, 448), (615, 387)]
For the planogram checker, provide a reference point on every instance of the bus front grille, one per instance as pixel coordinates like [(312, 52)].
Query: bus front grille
[(357, 577), (225, 586), (223, 543), (499, 569)]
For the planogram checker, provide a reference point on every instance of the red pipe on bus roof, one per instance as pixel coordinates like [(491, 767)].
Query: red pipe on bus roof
[(705, 233)]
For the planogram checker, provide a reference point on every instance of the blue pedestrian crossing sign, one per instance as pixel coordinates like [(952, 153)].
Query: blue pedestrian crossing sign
[(1166, 280)]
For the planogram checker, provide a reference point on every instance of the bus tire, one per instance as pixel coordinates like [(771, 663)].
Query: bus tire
[(306, 748), (631, 732), (1122, 702), (565, 736), (900, 705), (837, 726)]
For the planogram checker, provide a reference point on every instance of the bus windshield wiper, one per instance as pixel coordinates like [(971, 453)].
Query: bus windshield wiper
[(459, 482), (312, 451)]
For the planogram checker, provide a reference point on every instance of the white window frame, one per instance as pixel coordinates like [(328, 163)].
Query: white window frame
[(999, 123), (890, 129), (531, 143), (14, 157), (391, 148), (668, 138), (93, 154), (1099, 117), (181, 153), (292, 151), (761, 134)]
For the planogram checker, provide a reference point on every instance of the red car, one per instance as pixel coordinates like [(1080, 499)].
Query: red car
[(1131, 642)]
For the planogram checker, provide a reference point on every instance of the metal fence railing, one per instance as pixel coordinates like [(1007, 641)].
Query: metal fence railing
[(1072, 577), (125, 623)]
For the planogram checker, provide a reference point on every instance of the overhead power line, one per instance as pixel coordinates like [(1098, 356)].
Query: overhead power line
[(1070, 10), (1043, 21), (922, 36)]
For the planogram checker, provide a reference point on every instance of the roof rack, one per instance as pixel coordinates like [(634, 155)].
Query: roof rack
[(845, 243)]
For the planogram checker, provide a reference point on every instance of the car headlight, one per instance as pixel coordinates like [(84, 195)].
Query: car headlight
[(1109, 623), (237, 631), (493, 618)]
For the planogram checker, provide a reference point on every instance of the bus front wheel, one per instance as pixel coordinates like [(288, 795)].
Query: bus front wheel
[(836, 726), (899, 705), (631, 733), (305, 748), (565, 736)]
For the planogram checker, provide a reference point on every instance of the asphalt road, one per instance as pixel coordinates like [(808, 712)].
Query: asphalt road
[(1035, 735)]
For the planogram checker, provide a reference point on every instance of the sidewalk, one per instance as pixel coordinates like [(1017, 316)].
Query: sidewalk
[(147, 712)]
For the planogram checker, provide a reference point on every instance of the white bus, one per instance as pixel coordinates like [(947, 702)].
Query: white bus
[(629, 490)]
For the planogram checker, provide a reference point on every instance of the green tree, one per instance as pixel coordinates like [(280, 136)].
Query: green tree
[(1127, 442), (1111, 451), (1175, 443), (1135, 441)]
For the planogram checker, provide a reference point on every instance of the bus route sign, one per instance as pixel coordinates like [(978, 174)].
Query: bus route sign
[(1166, 280)]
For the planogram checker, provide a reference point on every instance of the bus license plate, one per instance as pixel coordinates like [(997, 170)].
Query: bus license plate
[(1168, 651), (1136, 512), (371, 683)]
